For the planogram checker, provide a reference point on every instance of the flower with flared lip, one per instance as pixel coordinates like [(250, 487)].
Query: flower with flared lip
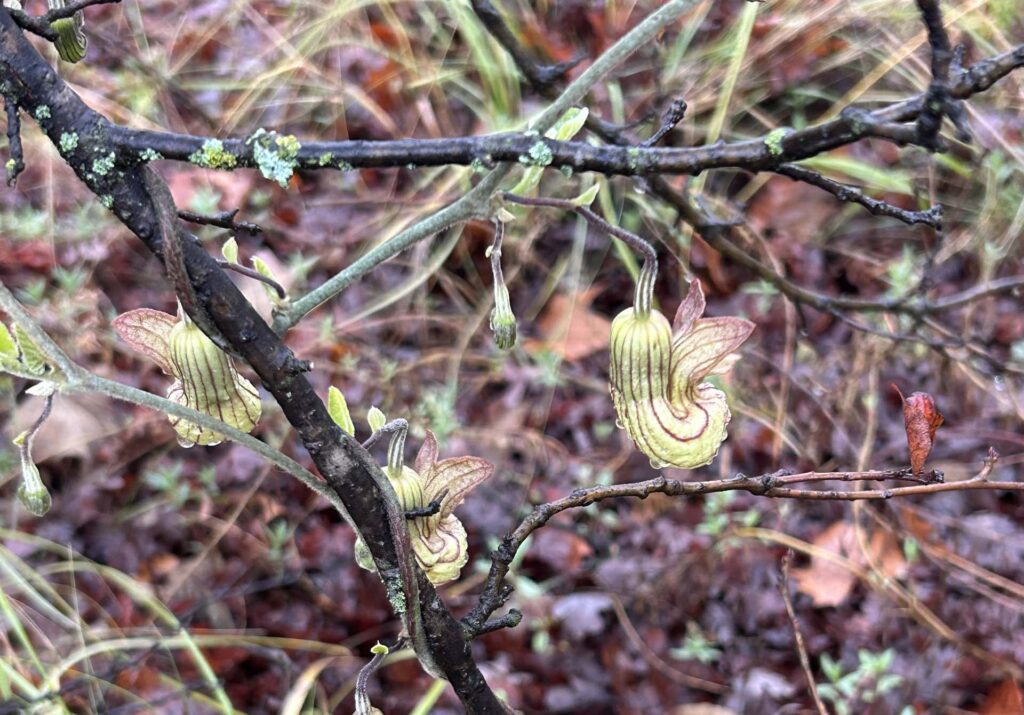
[(439, 540), (657, 374), (204, 377)]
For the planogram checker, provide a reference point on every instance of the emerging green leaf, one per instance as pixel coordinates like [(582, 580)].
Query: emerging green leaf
[(376, 419), (587, 197), (337, 408), (8, 348), (264, 270), (230, 250), (31, 356)]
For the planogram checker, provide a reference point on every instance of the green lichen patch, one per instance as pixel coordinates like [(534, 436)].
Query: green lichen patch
[(773, 140), (540, 154), (103, 165), (325, 159), (42, 112), (275, 155), (152, 155), (212, 155), (68, 142), (107, 200)]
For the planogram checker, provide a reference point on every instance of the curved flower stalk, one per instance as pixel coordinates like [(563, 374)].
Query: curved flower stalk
[(438, 540), (657, 374), (71, 40), (205, 378), (503, 320)]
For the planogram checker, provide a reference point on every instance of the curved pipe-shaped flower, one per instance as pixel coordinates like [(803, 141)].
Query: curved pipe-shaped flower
[(657, 374), (208, 382), (205, 378), (439, 540)]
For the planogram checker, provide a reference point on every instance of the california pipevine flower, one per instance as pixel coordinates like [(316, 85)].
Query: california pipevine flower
[(438, 540), (205, 378), (657, 376)]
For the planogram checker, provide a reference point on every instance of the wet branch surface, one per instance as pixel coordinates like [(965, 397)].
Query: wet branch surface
[(345, 465)]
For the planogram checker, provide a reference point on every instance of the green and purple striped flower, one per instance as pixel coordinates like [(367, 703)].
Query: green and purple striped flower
[(205, 378), (657, 377)]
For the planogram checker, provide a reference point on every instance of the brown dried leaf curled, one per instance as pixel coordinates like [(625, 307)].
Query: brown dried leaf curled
[(921, 418)]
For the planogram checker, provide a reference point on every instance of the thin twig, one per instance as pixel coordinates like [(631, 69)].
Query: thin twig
[(673, 115), (255, 275), (844, 192), (224, 219), (938, 102), (75, 378), (41, 24), (801, 648), (775, 485), (539, 75)]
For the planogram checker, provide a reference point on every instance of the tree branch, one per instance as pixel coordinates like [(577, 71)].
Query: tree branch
[(349, 470), (776, 485)]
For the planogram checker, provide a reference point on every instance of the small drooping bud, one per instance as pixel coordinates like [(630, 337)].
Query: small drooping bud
[(32, 493), (71, 40), (503, 320)]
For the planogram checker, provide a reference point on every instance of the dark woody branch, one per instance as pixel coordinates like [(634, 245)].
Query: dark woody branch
[(938, 99), (931, 217), (721, 235), (542, 76), (347, 467), (16, 164), (763, 153), (40, 25)]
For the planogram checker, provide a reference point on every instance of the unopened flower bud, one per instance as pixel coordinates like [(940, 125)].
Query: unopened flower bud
[(503, 320), (32, 492)]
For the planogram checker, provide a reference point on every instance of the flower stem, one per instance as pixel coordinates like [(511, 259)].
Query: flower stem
[(649, 270)]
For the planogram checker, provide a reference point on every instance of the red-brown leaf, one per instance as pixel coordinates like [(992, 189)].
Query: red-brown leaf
[(921, 418)]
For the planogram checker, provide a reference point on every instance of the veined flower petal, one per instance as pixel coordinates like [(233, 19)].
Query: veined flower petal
[(452, 478), (440, 546), (147, 331)]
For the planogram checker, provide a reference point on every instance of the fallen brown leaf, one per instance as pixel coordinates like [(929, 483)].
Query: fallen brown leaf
[(570, 329), (829, 583)]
